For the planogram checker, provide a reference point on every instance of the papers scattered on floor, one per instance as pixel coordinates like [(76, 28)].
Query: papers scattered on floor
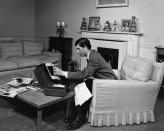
[(82, 94)]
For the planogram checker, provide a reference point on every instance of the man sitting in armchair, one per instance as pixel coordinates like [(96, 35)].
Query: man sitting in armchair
[(96, 67)]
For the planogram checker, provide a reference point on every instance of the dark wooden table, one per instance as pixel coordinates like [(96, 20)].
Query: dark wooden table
[(40, 101)]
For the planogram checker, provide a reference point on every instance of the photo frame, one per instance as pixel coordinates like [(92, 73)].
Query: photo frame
[(94, 23), (125, 25), (111, 3)]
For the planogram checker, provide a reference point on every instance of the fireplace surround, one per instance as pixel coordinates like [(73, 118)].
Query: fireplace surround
[(127, 43)]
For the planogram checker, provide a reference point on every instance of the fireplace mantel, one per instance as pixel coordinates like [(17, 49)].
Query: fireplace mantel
[(132, 41)]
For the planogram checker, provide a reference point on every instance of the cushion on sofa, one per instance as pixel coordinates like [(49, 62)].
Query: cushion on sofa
[(7, 65), (50, 53), (23, 61), (136, 68), (47, 59), (9, 49), (33, 47)]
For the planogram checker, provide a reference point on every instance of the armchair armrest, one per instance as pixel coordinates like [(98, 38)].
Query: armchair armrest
[(113, 94)]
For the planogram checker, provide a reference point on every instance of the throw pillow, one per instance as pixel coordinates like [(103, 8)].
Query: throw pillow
[(33, 47), (142, 70), (137, 68), (9, 49)]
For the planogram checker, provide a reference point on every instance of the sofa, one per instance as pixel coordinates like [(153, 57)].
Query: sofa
[(130, 99), (24, 55)]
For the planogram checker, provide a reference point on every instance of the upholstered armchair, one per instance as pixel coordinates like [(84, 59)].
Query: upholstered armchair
[(129, 100)]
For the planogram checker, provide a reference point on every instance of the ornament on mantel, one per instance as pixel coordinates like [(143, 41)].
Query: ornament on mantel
[(107, 26), (84, 24), (115, 26), (133, 25)]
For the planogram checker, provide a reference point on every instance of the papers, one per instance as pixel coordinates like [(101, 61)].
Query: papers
[(50, 67), (19, 81), (58, 85), (15, 86), (9, 91), (82, 94)]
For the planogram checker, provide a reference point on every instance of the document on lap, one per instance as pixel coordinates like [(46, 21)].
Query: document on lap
[(82, 94)]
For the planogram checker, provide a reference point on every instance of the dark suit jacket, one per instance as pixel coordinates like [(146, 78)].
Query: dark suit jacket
[(96, 67)]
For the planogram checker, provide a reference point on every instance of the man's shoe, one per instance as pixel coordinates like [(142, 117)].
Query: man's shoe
[(70, 119), (75, 125)]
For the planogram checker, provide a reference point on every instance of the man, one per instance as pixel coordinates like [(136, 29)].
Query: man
[(96, 67)]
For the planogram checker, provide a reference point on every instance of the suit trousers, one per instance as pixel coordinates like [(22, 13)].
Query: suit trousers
[(84, 108)]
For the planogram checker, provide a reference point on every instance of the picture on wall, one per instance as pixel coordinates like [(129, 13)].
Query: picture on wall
[(111, 3), (94, 23)]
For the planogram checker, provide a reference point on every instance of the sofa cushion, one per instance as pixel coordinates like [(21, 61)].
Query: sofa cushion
[(7, 65), (33, 47), (50, 53), (23, 61), (9, 49), (45, 58), (137, 68), (49, 60)]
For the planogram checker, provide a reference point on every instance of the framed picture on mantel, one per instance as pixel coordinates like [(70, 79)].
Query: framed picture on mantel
[(94, 23), (111, 3)]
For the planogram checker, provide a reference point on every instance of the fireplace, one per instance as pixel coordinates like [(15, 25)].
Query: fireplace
[(125, 43), (110, 55)]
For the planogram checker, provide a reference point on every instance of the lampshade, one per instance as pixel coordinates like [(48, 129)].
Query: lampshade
[(58, 24)]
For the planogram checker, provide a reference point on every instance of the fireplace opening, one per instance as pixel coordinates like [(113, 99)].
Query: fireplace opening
[(110, 55)]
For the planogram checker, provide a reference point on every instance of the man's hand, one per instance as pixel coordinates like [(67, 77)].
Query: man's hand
[(58, 71)]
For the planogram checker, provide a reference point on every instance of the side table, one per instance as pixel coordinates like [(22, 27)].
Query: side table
[(64, 46)]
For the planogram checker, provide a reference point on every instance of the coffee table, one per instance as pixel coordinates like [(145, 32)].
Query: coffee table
[(40, 101), (35, 98)]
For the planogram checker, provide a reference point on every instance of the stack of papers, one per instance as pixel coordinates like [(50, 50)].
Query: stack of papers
[(9, 91), (14, 87), (15, 82)]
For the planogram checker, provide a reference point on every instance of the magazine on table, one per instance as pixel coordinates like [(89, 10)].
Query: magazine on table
[(14, 87)]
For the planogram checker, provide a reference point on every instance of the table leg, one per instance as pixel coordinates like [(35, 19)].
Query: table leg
[(39, 120)]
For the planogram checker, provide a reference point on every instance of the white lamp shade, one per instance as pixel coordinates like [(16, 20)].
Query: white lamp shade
[(63, 24), (58, 24)]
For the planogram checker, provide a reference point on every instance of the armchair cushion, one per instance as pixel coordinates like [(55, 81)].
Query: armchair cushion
[(136, 68)]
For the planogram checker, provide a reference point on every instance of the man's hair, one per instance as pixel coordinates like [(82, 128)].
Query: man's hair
[(83, 42)]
